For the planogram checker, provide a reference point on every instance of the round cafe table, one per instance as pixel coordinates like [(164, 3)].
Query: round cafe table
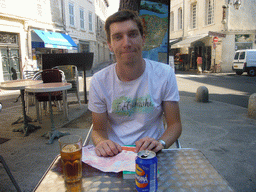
[(21, 85), (52, 87)]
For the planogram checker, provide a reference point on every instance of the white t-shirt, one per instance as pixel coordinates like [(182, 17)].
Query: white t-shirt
[(134, 108)]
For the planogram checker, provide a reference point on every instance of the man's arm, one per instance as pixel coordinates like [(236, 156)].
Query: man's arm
[(174, 127), (172, 132), (104, 146)]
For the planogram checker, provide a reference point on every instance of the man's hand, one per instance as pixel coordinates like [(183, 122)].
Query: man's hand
[(148, 143), (107, 148)]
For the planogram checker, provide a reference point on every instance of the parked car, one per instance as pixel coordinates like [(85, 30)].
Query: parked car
[(245, 61)]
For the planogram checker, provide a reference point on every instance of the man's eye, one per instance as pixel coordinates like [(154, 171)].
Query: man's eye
[(133, 34), (117, 37)]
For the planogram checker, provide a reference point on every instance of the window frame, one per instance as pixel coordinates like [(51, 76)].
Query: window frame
[(209, 12), (71, 13), (193, 16), (180, 19), (82, 18), (171, 21), (90, 21)]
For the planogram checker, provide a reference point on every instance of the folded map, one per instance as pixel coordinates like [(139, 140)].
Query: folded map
[(122, 161)]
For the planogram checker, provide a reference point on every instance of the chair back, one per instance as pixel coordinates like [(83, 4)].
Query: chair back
[(71, 76), (51, 75), (29, 74), (70, 71)]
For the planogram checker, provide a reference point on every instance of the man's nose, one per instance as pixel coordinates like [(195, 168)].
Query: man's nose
[(127, 40)]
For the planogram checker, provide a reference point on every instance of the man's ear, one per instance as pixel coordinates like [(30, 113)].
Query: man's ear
[(143, 39), (110, 47)]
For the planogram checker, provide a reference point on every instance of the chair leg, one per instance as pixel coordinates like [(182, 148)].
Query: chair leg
[(78, 96), (65, 103), (178, 144), (9, 174), (38, 112), (27, 102), (58, 104)]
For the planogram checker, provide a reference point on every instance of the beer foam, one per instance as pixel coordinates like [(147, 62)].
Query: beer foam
[(70, 148)]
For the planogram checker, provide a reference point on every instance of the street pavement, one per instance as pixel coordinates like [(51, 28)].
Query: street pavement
[(223, 133)]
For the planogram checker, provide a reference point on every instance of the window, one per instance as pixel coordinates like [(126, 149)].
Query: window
[(171, 21), (84, 47), (242, 55), (210, 12), (90, 21), (236, 56), (81, 18), (193, 16), (180, 18), (71, 14)]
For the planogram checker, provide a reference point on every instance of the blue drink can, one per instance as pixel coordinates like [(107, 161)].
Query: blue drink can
[(146, 171)]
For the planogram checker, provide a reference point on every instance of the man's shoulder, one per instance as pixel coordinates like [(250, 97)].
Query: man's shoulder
[(159, 67), (104, 73)]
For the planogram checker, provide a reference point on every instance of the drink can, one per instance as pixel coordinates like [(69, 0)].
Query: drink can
[(146, 171)]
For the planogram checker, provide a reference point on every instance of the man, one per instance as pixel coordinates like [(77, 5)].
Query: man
[(128, 98)]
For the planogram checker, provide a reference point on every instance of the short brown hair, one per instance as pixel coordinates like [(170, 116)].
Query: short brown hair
[(121, 16)]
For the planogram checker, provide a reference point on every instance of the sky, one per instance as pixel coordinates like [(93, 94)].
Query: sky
[(113, 6)]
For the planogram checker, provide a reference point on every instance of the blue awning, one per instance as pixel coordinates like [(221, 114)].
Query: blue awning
[(44, 39)]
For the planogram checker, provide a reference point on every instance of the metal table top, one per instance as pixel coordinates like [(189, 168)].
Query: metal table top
[(19, 84), (178, 169)]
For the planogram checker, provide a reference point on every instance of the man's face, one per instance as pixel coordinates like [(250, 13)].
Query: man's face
[(126, 41)]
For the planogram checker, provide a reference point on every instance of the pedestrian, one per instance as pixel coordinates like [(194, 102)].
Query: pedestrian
[(128, 98), (199, 64), (14, 74)]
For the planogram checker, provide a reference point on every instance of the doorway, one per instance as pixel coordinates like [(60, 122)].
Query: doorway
[(10, 59)]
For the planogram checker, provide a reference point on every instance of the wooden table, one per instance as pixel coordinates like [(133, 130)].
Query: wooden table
[(21, 85), (52, 87), (178, 170)]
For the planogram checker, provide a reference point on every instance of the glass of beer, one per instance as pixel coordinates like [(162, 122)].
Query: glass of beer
[(71, 157)]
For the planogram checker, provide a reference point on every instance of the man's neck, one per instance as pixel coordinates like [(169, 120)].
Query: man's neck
[(130, 72)]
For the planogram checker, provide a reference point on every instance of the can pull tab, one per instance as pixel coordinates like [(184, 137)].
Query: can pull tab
[(144, 156)]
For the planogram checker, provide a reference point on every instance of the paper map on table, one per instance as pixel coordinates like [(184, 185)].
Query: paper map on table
[(122, 161)]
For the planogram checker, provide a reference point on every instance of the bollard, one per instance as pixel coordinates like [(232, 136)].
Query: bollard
[(202, 94), (252, 106)]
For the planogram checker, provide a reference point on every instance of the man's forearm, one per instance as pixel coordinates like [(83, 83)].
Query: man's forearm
[(171, 134), (99, 136)]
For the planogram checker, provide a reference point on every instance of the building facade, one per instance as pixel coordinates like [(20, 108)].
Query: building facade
[(30, 28), (211, 29), (84, 21), (16, 20)]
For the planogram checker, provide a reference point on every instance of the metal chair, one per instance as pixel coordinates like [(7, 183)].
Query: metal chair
[(29, 97), (88, 139), (49, 76), (9, 174), (71, 76)]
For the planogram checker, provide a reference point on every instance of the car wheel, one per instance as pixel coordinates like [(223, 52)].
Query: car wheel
[(239, 72), (251, 72)]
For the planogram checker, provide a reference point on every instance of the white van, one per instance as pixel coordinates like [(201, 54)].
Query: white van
[(245, 61)]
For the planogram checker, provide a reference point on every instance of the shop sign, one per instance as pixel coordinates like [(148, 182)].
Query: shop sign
[(216, 34)]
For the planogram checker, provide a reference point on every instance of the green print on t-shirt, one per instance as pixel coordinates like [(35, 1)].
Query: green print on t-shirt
[(125, 106)]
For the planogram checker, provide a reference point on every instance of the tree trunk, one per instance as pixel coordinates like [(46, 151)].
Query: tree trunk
[(130, 4)]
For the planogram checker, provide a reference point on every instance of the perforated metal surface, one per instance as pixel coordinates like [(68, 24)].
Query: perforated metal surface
[(179, 170)]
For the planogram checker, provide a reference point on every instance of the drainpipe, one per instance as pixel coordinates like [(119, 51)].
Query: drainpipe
[(63, 15), (183, 19)]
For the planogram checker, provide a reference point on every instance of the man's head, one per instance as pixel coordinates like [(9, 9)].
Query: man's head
[(121, 16)]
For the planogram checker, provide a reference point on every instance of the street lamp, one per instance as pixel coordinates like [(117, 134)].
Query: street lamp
[(236, 3)]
